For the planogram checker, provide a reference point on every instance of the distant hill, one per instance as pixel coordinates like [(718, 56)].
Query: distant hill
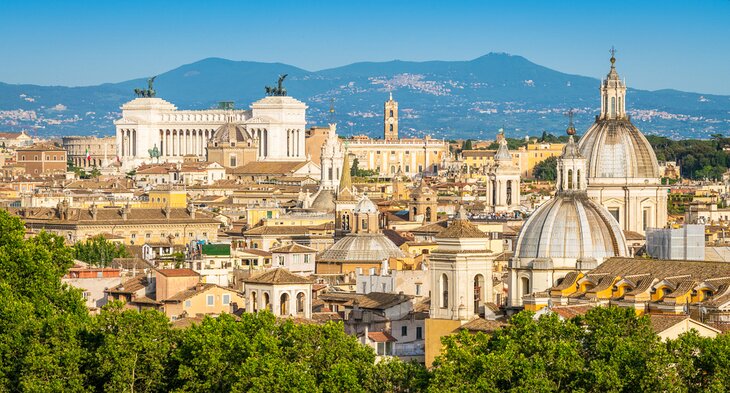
[(446, 99)]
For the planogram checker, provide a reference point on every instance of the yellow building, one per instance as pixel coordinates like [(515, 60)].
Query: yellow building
[(177, 199)]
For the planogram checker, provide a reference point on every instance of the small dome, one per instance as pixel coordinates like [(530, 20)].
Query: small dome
[(362, 247), (366, 206), (615, 148), (231, 132), (571, 226), (325, 201)]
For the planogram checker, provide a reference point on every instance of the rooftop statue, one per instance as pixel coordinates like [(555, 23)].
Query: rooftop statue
[(279, 90), (149, 91)]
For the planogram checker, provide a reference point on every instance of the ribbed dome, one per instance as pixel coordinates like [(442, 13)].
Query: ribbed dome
[(571, 226), (366, 206), (615, 148), (230, 132), (362, 247)]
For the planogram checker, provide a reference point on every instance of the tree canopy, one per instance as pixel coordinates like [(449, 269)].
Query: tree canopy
[(49, 342), (546, 169), (98, 251)]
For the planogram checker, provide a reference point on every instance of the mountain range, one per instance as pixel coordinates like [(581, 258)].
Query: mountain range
[(446, 99)]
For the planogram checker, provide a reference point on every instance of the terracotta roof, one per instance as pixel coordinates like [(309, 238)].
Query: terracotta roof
[(292, 248), (109, 216), (482, 325), (188, 293), (396, 237), (277, 276), (256, 251), (570, 312), (631, 235), (178, 272), (431, 228), (267, 168), (660, 323), (461, 228), (130, 286), (277, 230), (372, 300), (381, 337)]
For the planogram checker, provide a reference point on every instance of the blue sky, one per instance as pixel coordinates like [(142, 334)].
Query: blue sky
[(661, 44)]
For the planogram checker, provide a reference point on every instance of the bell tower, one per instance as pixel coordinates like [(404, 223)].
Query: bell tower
[(390, 119), (613, 93)]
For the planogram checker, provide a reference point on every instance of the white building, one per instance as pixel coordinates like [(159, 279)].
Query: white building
[(294, 257), (686, 243), (283, 293), (277, 122), (461, 271)]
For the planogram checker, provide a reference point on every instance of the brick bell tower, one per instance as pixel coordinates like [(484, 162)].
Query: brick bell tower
[(390, 120)]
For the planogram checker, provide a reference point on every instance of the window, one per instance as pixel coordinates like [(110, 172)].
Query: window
[(614, 212), (419, 333), (147, 235), (444, 287), (233, 160), (210, 300), (188, 303), (226, 299), (418, 289), (403, 331), (364, 287), (391, 113)]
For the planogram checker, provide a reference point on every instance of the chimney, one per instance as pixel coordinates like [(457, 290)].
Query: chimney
[(93, 211)]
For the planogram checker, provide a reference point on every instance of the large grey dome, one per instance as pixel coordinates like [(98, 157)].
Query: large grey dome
[(571, 226), (615, 148), (361, 247)]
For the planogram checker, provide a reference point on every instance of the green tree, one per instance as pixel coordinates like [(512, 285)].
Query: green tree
[(467, 145), (40, 317), (128, 350), (546, 169), (98, 251)]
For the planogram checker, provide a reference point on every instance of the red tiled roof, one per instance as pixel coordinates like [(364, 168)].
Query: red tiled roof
[(381, 337), (177, 272)]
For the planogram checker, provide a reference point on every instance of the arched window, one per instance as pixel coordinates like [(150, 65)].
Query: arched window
[(570, 179), (392, 169), (267, 301), (525, 282), (254, 302), (428, 214), (364, 224), (300, 302), (329, 173), (613, 106), (578, 179), (391, 113), (478, 291), (391, 127), (509, 192), (284, 304), (444, 288), (415, 212)]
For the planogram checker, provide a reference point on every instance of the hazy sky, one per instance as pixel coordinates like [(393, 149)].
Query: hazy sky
[(664, 44)]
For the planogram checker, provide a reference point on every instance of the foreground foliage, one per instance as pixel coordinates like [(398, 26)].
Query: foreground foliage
[(49, 343)]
